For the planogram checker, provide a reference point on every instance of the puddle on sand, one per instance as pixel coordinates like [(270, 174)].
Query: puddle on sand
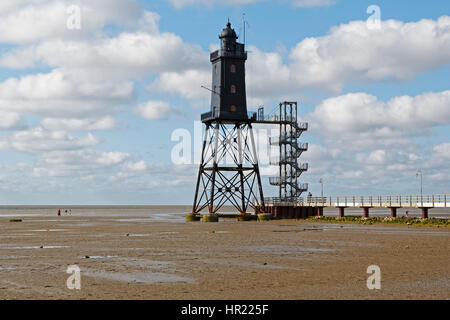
[(146, 264), (17, 235), (134, 220), (9, 257), (138, 277), (7, 268), (149, 234), (47, 220), (135, 262), (165, 217), (34, 247), (47, 230)]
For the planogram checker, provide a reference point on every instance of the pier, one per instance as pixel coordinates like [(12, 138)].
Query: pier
[(313, 206)]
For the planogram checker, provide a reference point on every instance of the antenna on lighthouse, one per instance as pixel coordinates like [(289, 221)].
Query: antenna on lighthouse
[(244, 22)]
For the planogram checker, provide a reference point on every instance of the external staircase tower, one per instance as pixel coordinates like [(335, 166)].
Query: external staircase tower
[(290, 150)]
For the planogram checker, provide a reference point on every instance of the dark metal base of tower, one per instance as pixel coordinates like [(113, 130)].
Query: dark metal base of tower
[(229, 171)]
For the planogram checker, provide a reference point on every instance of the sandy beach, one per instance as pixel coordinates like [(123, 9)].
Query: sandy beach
[(151, 253)]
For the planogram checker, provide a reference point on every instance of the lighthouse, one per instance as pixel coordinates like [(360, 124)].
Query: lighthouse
[(228, 94), (229, 172)]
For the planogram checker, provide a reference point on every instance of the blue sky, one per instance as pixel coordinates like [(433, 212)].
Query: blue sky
[(88, 113)]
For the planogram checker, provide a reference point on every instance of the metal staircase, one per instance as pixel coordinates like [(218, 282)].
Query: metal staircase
[(290, 149)]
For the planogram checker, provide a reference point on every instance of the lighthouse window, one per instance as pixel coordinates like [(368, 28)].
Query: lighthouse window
[(233, 88), (233, 108), (215, 89), (233, 68), (215, 69)]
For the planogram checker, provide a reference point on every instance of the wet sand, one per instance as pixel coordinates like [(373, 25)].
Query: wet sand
[(151, 253)]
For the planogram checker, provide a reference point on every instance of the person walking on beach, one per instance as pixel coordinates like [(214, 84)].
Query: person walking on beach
[(406, 213), (59, 212)]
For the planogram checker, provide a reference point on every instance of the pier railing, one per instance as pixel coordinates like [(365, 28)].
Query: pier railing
[(409, 201)]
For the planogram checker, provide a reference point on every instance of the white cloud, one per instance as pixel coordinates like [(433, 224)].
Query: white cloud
[(353, 53), (92, 78), (369, 144), (440, 159), (349, 53), (111, 158), (154, 110), (61, 94), (297, 3), (10, 120), (359, 115), (129, 54), (31, 21), (106, 123), (377, 157), (3, 145), (38, 140), (77, 163), (188, 84), (442, 150), (267, 75), (84, 158), (136, 166), (313, 3), (183, 3)]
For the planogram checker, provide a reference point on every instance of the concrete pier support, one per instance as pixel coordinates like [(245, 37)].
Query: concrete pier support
[(298, 212), (320, 211), (275, 212), (393, 212), (304, 212), (366, 212), (210, 217), (291, 213), (341, 212), (284, 212), (424, 213)]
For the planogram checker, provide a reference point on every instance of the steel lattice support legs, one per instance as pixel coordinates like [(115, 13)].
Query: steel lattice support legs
[(229, 171)]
